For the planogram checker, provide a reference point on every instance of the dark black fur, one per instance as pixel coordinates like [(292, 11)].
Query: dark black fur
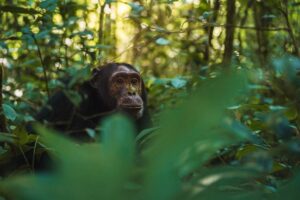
[(61, 114)]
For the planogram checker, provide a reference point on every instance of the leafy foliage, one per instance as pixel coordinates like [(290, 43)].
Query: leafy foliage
[(104, 170)]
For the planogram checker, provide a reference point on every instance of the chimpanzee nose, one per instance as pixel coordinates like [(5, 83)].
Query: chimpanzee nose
[(131, 93)]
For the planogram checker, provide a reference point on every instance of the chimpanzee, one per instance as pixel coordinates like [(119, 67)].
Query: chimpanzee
[(114, 87)]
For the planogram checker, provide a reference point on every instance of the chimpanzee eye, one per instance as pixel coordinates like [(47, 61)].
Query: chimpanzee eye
[(134, 81), (119, 81)]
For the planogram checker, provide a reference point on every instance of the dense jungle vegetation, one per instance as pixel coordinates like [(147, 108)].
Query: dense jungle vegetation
[(223, 91)]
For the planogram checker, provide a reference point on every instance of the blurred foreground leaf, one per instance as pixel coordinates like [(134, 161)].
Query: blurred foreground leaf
[(193, 125), (85, 171)]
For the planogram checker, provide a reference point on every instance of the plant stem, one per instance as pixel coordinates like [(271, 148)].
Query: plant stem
[(43, 65)]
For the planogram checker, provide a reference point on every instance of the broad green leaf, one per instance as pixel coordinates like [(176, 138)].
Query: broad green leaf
[(248, 149), (118, 137), (49, 5), (289, 190), (91, 132), (5, 137), (191, 125), (162, 41), (21, 134), (178, 83), (9, 112), (89, 171)]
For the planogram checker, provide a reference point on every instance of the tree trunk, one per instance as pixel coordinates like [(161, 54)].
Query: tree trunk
[(230, 22), (242, 23), (210, 30), (259, 11), (3, 125)]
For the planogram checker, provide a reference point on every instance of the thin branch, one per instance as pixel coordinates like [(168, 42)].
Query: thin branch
[(34, 152), (285, 13), (43, 65), (101, 22), (152, 28), (248, 27), (25, 157)]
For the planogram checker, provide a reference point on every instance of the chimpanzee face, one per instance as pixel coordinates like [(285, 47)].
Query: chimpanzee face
[(121, 88), (125, 87)]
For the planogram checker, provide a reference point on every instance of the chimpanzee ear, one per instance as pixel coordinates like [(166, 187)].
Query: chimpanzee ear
[(95, 78)]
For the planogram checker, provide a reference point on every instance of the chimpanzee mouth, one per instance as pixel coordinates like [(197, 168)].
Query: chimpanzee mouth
[(131, 107), (135, 111)]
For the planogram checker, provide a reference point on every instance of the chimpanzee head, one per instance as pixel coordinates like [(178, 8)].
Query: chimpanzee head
[(120, 87)]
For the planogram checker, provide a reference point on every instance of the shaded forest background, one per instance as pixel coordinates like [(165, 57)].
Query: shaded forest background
[(197, 57)]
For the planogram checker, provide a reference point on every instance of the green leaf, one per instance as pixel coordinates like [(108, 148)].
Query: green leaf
[(143, 134), (268, 16), (91, 132), (207, 14), (49, 5), (136, 7), (3, 45), (89, 171), (9, 112), (117, 136), (192, 125), (291, 113), (42, 34), (21, 134), (100, 46), (7, 137), (82, 33), (248, 149), (110, 1), (178, 83), (162, 41)]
